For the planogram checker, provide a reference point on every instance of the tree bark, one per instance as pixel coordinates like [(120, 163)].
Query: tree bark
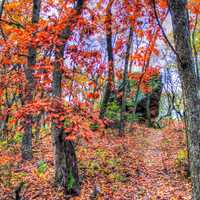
[(66, 169), (26, 148), (38, 126), (110, 79), (180, 22), (125, 84)]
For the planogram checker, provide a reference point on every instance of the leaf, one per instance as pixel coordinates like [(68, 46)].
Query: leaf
[(71, 137), (163, 4), (42, 167), (70, 180)]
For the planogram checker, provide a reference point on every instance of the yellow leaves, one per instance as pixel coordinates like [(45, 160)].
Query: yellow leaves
[(182, 156), (18, 12), (99, 4), (16, 5), (18, 59), (140, 33), (101, 81), (81, 78), (11, 6)]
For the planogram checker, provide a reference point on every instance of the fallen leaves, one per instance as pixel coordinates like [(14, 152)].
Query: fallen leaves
[(141, 165)]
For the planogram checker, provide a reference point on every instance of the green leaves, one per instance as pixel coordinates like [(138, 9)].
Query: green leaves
[(18, 137), (42, 167), (70, 180), (154, 83), (94, 126), (113, 111)]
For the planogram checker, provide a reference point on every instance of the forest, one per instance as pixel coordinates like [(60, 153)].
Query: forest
[(99, 100)]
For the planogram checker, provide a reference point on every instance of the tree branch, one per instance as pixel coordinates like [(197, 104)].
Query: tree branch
[(163, 32)]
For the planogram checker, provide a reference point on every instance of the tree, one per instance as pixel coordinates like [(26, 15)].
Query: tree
[(53, 68), (66, 169), (110, 77), (125, 83), (27, 136), (183, 49)]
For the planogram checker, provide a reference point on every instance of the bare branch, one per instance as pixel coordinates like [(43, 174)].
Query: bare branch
[(163, 32)]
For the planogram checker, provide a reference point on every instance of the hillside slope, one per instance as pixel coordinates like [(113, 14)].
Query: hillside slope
[(145, 164)]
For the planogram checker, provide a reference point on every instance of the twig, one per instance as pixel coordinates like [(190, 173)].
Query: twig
[(163, 32)]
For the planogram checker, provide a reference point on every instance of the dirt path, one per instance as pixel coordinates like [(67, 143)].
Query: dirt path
[(153, 153), (156, 181)]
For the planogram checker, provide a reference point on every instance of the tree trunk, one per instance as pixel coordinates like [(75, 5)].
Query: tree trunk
[(38, 126), (26, 147), (66, 169), (110, 79), (125, 84), (148, 109), (180, 21)]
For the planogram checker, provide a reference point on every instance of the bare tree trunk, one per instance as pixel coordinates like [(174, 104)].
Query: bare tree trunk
[(148, 110), (38, 126), (66, 169), (26, 147), (180, 21), (125, 84), (110, 79)]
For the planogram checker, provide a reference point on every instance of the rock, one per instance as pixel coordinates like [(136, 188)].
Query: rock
[(154, 99)]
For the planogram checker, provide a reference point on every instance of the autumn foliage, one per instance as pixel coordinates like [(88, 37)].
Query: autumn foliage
[(72, 41)]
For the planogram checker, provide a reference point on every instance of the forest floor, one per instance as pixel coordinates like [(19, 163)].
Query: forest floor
[(145, 164)]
